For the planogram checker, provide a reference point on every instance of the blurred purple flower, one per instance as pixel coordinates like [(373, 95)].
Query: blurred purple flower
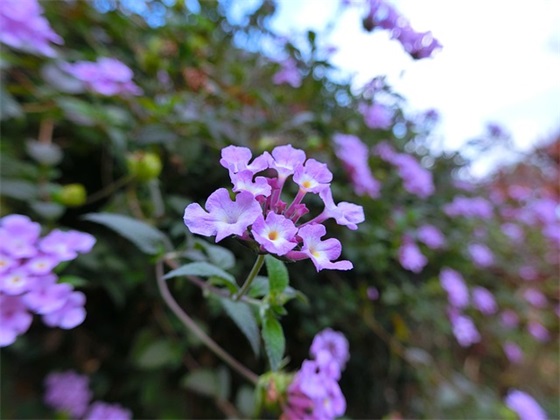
[(535, 297), (418, 44), (354, 156), (475, 207), (538, 331), (66, 245), (67, 392), (513, 231), (528, 273), (509, 318), (382, 15), (484, 301), (107, 76), (23, 27), (526, 407), (18, 235), (457, 292), (513, 352), (417, 180), (481, 255), (100, 410), (376, 116), (70, 314), (14, 319), (464, 330), (334, 345), (410, 256), (372, 293), (431, 236), (288, 74)]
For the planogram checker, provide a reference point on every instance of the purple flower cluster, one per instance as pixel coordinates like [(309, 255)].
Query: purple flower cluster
[(382, 15), (481, 255), (314, 392), (69, 392), (475, 207), (410, 256), (376, 116), (257, 213), (524, 405), (288, 74), (27, 282), (107, 76), (23, 27), (431, 236), (416, 179), (354, 156)]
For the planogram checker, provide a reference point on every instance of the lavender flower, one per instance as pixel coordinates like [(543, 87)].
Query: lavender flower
[(431, 236), (354, 156), (332, 343), (14, 319), (372, 293), (535, 297), (509, 319), (513, 352), (376, 116), (23, 27), (410, 256), (68, 392), (476, 207), (107, 76), (528, 273), (524, 405), (464, 330), (481, 255), (100, 410), (288, 74), (416, 179), (538, 331), (484, 301), (418, 44), (258, 215), (453, 283)]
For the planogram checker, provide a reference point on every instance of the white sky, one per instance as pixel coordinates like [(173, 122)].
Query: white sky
[(500, 60)]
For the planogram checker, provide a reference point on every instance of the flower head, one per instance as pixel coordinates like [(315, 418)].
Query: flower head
[(452, 282), (275, 234), (464, 330), (526, 407), (333, 346), (410, 256), (481, 255), (14, 319), (68, 392), (484, 301), (102, 410), (431, 236), (322, 253)]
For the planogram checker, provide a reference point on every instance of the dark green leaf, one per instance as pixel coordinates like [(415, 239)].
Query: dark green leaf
[(202, 269), (218, 255), (18, 189), (274, 342), (277, 274), (202, 381), (159, 354), (147, 238), (244, 318)]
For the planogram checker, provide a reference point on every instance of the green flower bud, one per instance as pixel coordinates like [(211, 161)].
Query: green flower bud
[(71, 195), (144, 166)]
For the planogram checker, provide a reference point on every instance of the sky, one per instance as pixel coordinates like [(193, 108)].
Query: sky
[(500, 61)]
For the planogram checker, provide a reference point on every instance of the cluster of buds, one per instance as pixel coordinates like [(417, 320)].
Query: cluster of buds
[(27, 281), (259, 216)]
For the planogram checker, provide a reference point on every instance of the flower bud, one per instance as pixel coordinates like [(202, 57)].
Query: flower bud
[(71, 195), (144, 166)]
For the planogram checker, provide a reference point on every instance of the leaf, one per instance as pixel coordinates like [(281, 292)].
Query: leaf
[(245, 401), (218, 255), (19, 189), (202, 269), (73, 280), (274, 342), (244, 318), (147, 238), (277, 274), (159, 354), (202, 381)]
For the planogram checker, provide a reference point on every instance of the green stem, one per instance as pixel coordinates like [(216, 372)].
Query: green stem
[(254, 271), (196, 330)]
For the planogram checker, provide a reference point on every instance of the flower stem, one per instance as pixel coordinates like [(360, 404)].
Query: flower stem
[(252, 274), (196, 330)]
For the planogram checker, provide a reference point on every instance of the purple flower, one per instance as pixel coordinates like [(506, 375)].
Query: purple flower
[(382, 15), (6, 262), (376, 116), (481, 255), (23, 27), (66, 245), (107, 76), (416, 179), (345, 214), (70, 314), (509, 319), (528, 273), (453, 283), (431, 236), (538, 331), (18, 235), (418, 44), (410, 256), (276, 234), (285, 160), (535, 298), (321, 253), (243, 181), (224, 216), (484, 301), (476, 207), (15, 282), (14, 319), (464, 330), (354, 156), (333, 344), (100, 410), (513, 231), (41, 264), (524, 405), (236, 159), (313, 176), (385, 151), (288, 74), (46, 295), (68, 392), (372, 293), (513, 352)]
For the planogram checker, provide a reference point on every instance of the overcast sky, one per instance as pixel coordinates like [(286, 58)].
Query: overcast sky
[(500, 60)]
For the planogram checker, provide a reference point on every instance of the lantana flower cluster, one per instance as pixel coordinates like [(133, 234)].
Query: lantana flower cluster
[(27, 282), (108, 76), (23, 26), (259, 215), (69, 393), (314, 392)]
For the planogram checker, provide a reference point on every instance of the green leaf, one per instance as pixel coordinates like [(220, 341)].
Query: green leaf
[(202, 269), (274, 342), (244, 318), (147, 238), (218, 255), (73, 280), (202, 381), (159, 354), (277, 274), (19, 189), (245, 401)]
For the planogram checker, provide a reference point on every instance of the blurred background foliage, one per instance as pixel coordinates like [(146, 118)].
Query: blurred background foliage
[(207, 83)]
